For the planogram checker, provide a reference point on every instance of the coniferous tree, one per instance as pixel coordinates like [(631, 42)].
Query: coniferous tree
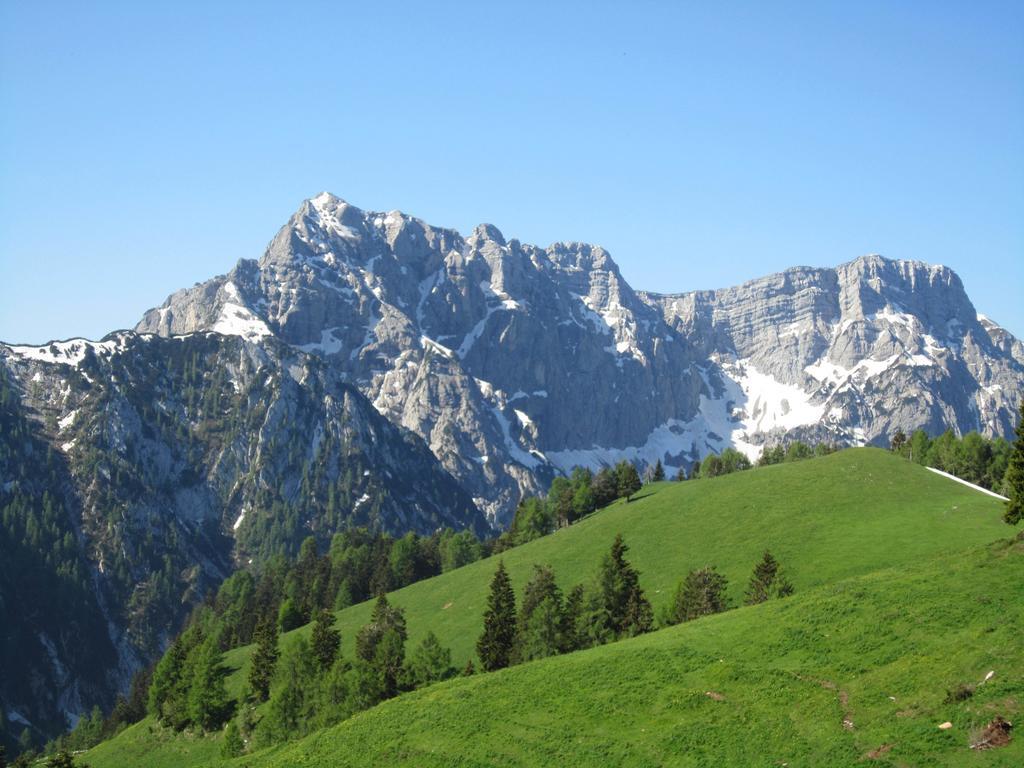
[(430, 662), (627, 479), (208, 701), (389, 660), (605, 487), (326, 640), (264, 660), (495, 644), (384, 618), (573, 629), (1014, 481), (701, 593), (289, 616), (627, 610), (898, 440), (166, 676), (469, 669), (767, 581), (540, 621), (292, 702), (659, 472)]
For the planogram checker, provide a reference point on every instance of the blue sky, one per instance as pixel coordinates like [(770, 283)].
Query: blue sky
[(148, 146)]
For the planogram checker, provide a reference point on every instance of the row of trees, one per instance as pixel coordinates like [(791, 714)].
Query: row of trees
[(996, 464), (796, 450), (612, 607), (704, 591), (569, 499), (973, 457), (548, 623), (731, 460)]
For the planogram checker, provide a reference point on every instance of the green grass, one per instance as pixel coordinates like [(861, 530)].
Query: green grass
[(787, 673), (827, 520), (154, 746)]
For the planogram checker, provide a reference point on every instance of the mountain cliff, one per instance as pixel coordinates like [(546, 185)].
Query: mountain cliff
[(514, 362)]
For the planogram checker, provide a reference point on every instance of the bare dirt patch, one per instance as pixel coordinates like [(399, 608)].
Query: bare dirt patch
[(995, 734), (876, 754)]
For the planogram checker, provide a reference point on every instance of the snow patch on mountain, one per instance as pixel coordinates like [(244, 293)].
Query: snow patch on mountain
[(748, 402), (329, 343), (70, 352), (238, 320)]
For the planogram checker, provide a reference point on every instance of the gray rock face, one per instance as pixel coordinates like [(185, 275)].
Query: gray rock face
[(515, 362), (500, 355), (856, 352)]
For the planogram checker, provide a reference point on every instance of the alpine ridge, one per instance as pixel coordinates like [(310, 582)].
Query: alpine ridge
[(515, 362)]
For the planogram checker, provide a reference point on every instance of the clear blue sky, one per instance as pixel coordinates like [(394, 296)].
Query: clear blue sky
[(145, 146)]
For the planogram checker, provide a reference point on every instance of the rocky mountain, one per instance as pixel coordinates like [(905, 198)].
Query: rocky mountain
[(371, 369), (138, 471), (514, 362)]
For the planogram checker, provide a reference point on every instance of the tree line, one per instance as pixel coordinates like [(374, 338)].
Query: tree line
[(996, 463), (973, 457), (612, 607)]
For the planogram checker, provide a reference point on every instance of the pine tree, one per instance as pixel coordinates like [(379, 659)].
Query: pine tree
[(659, 472), (573, 633), (700, 594), (326, 639), (208, 701), (430, 662), (264, 660), (469, 669), (385, 617), (767, 581), (540, 622), (166, 676), (898, 440), (627, 609), (627, 479), (292, 702), (389, 660), (289, 616), (495, 644), (1014, 481)]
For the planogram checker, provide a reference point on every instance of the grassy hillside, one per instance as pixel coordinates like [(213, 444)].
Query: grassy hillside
[(769, 685), (827, 677), (826, 519)]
